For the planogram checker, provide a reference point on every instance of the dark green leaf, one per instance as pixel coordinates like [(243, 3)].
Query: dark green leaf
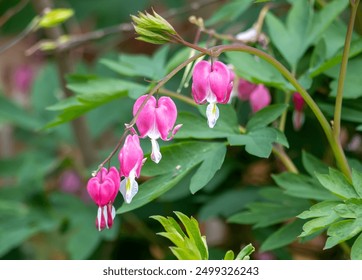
[(283, 236), (357, 181), (266, 116), (313, 165)]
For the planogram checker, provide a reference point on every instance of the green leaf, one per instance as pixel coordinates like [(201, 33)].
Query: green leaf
[(195, 126), (298, 185), (55, 17), (277, 208), (323, 214), (140, 65), (258, 142), (173, 231), (212, 162), (90, 95), (228, 12), (245, 253), (356, 252), (313, 165), (348, 114), (193, 231), (229, 256), (337, 183), (257, 70), (266, 116), (152, 189), (14, 114), (342, 231), (357, 181), (283, 236), (236, 200)]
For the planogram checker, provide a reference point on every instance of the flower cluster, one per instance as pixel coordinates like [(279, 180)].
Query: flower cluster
[(156, 119)]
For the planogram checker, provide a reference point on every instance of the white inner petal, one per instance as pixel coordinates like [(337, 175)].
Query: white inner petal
[(212, 114), (129, 188), (99, 217), (156, 154), (105, 215)]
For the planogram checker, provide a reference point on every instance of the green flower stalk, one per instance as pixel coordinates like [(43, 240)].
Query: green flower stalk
[(153, 29)]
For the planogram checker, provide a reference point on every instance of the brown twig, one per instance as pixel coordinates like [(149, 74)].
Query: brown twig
[(13, 11), (64, 65)]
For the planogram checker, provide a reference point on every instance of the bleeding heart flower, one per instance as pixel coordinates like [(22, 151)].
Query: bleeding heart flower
[(245, 88), (156, 120), (212, 83), (131, 161), (103, 189), (259, 98), (298, 114)]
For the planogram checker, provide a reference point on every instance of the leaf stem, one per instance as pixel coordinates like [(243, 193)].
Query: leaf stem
[(176, 95), (343, 72), (285, 159), (283, 118)]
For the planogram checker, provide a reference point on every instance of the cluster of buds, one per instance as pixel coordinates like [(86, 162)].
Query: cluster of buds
[(155, 120)]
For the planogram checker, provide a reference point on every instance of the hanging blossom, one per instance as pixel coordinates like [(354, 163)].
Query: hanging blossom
[(258, 95), (298, 114), (103, 189), (212, 83), (156, 120), (131, 161)]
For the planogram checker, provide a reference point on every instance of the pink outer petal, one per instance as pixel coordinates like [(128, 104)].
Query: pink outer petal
[(113, 175), (298, 102), (220, 82), (131, 156), (200, 81), (166, 115), (101, 193), (146, 118), (259, 98), (245, 88)]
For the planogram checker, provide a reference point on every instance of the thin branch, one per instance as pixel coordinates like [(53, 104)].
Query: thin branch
[(13, 11)]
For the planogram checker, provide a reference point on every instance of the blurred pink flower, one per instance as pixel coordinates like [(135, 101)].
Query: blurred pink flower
[(70, 181), (131, 161), (156, 120), (103, 189), (259, 98), (245, 88), (212, 83), (23, 78)]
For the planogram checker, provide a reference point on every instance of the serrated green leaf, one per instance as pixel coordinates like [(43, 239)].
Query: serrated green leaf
[(337, 183), (342, 231), (356, 250), (320, 209), (283, 236), (266, 116), (193, 231), (184, 253), (298, 185)]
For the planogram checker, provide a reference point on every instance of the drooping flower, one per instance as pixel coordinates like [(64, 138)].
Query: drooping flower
[(245, 88), (103, 189), (259, 98), (156, 120), (131, 161), (212, 83), (298, 113)]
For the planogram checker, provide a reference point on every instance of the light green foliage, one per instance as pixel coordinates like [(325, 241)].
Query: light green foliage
[(188, 241), (342, 218), (189, 245), (55, 17)]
